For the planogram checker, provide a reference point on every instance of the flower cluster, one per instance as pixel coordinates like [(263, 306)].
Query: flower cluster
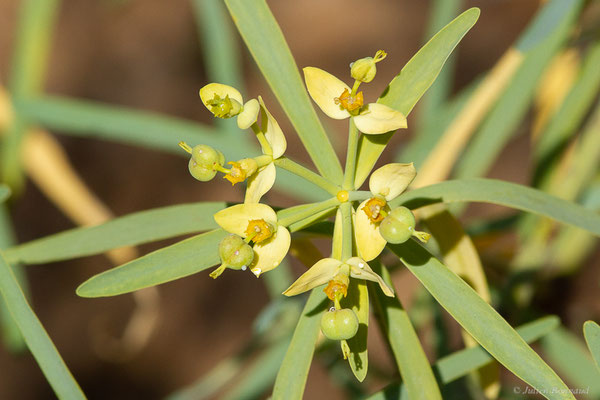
[(259, 239)]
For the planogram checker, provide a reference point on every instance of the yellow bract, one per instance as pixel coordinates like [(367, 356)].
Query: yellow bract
[(326, 270), (269, 251), (328, 92), (261, 182), (391, 180), (387, 182), (249, 115), (222, 100)]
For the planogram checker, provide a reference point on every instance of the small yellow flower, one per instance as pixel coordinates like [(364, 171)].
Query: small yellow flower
[(258, 223), (349, 102), (240, 170), (327, 269), (337, 287), (386, 183), (375, 209), (334, 98)]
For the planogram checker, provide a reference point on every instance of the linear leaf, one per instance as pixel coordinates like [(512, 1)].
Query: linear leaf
[(481, 321), (261, 374), (146, 129), (137, 127), (442, 11), (410, 84), (271, 53), (11, 334), (591, 331), (460, 363), (568, 353), (4, 193), (358, 300), (574, 107), (130, 230), (221, 53), (544, 39), (27, 75), (167, 264), (36, 337), (505, 194), (409, 354), (291, 379)]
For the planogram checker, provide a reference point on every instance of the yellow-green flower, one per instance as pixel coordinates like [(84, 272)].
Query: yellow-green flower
[(337, 100), (386, 183), (225, 101), (258, 223), (327, 269), (262, 181)]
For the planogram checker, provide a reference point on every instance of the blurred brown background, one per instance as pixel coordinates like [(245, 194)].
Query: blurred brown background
[(146, 54)]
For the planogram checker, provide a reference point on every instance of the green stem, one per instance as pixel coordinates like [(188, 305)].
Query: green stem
[(303, 172), (294, 214), (350, 170), (359, 195), (264, 143), (346, 209)]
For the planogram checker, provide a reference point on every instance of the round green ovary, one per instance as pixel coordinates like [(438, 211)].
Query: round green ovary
[(339, 324), (199, 172), (398, 226), (205, 156), (235, 253)]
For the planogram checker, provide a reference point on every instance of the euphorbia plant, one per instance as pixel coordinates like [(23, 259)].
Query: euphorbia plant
[(255, 237)]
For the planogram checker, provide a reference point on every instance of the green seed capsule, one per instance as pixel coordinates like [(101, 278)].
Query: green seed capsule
[(206, 156), (235, 253), (199, 172), (398, 226), (339, 324)]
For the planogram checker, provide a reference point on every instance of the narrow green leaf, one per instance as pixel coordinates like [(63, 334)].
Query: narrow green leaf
[(568, 354), (211, 382), (4, 193), (221, 53), (505, 194), (11, 334), (130, 230), (167, 264), (442, 11), (481, 321), (222, 56), (265, 41), (409, 354), (36, 337), (591, 331), (574, 107), (460, 363), (291, 379), (410, 84), (358, 300), (548, 33), (27, 75), (142, 128), (261, 375), (417, 150), (145, 129)]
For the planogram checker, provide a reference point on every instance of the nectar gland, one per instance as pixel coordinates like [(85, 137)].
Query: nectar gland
[(375, 209), (258, 230)]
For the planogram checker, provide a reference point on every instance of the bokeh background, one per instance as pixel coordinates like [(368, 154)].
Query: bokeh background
[(147, 54)]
